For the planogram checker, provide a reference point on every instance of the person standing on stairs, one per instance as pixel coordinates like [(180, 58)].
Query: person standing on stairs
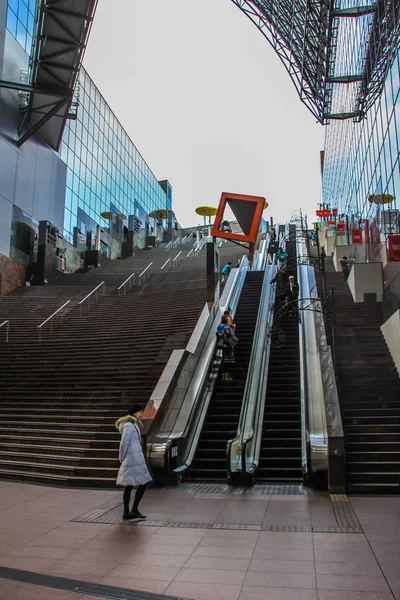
[(133, 471), (229, 321), (291, 294), (226, 269), (229, 342), (344, 263), (282, 257), (281, 279)]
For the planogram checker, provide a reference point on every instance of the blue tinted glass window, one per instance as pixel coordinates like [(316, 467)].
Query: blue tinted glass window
[(13, 4), (23, 14), (12, 22), (21, 34)]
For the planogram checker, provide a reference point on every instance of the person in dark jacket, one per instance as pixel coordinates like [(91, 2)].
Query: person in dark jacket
[(281, 279), (344, 263), (228, 353), (291, 290)]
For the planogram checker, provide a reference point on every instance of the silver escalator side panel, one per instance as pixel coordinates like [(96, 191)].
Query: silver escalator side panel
[(313, 410), (173, 437)]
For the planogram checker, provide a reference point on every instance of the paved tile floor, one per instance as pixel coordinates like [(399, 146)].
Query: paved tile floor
[(38, 534)]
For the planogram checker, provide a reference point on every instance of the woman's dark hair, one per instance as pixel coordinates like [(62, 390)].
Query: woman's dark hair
[(226, 313), (134, 409), (224, 319)]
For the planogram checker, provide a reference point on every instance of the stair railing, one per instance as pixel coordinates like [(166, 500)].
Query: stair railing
[(143, 274), (7, 326), (131, 281), (177, 259), (168, 246), (191, 253), (167, 262), (50, 320), (89, 297)]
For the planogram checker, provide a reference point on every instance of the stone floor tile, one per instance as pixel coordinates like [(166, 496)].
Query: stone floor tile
[(182, 549), (140, 559), (79, 569), (285, 540), (283, 554), (27, 591), (250, 592), (207, 519), (282, 566), (228, 542), (348, 595), (37, 565), (356, 583), (206, 591), (211, 576), (135, 583), (344, 568), (129, 571), (212, 562), (235, 552), (288, 580), (366, 556)]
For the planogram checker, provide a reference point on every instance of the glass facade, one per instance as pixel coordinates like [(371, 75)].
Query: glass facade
[(106, 172), (361, 159), (21, 21)]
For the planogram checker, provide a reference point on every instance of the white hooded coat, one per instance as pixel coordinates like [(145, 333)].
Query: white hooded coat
[(133, 469)]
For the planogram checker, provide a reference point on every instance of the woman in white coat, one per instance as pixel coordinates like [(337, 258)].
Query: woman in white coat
[(133, 471)]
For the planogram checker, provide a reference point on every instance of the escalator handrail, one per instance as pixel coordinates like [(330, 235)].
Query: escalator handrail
[(255, 375), (314, 427)]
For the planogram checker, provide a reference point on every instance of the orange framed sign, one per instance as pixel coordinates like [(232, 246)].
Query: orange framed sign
[(248, 212)]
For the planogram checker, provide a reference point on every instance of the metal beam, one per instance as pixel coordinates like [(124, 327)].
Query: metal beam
[(12, 85), (42, 121), (345, 79), (357, 11), (343, 116)]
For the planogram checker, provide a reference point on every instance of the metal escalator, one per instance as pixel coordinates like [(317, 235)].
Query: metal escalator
[(222, 417), (280, 458)]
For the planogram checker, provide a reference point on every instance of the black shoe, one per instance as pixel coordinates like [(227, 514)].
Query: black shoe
[(128, 517), (135, 514)]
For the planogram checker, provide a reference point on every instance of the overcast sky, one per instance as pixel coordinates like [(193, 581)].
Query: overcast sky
[(207, 103)]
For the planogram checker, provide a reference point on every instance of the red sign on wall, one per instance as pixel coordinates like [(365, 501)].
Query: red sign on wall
[(334, 212), (323, 213), (340, 228), (394, 247), (356, 237)]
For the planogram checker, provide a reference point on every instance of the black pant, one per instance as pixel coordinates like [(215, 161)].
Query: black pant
[(138, 496)]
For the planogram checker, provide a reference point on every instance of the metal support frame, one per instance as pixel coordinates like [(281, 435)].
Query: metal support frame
[(305, 37), (60, 40), (276, 337)]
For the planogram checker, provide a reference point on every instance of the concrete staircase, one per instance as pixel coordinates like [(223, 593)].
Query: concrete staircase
[(369, 393), (59, 397)]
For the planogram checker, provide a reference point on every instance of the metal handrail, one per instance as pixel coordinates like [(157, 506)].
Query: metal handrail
[(125, 282), (168, 246), (176, 258), (7, 328), (166, 262), (89, 296), (190, 253), (143, 273), (240, 450), (49, 319)]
